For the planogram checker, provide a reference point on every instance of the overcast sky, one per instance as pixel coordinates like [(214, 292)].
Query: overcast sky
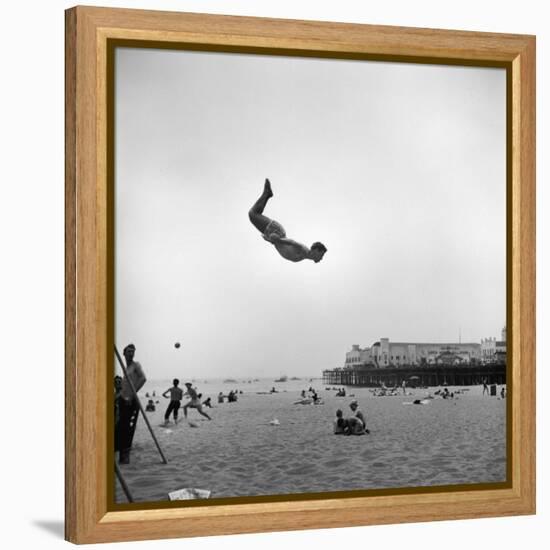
[(398, 168)]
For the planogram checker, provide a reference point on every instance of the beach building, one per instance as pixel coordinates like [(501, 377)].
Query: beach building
[(391, 363), (358, 356), (385, 353), (493, 350), (488, 349)]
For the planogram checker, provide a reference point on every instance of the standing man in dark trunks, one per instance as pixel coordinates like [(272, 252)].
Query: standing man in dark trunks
[(176, 395), (128, 409), (274, 233)]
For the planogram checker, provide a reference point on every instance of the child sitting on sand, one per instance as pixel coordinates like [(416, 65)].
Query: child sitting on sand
[(274, 233)]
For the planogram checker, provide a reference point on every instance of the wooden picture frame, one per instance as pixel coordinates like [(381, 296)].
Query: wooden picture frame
[(91, 34)]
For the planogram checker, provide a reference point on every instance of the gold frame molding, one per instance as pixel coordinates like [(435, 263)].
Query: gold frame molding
[(91, 34)]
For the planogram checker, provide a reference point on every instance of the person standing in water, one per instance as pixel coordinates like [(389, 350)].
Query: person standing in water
[(274, 233)]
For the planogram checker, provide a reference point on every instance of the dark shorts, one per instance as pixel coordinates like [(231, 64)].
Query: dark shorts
[(172, 407)]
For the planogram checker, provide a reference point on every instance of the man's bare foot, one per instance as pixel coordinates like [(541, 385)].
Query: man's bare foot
[(267, 188)]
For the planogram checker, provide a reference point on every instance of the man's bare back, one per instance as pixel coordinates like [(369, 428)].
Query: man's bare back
[(288, 249), (274, 233)]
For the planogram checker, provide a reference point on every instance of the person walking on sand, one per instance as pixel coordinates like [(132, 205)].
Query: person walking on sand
[(274, 233), (176, 395), (194, 401), (485, 386)]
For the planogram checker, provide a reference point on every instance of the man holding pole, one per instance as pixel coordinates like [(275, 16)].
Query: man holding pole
[(128, 406)]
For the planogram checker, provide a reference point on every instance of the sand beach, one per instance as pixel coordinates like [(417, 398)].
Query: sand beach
[(239, 453)]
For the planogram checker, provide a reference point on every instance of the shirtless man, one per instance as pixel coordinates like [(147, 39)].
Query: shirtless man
[(176, 393), (194, 402), (274, 233), (128, 407)]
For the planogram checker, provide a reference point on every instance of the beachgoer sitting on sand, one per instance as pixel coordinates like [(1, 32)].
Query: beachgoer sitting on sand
[(207, 402), (274, 233), (354, 406), (339, 423), (176, 395), (305, 401), (354, 426), (150, 407), (348, 426), (194, 401)]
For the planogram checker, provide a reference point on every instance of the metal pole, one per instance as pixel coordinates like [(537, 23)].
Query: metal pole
[(140, 405), (123, 483)]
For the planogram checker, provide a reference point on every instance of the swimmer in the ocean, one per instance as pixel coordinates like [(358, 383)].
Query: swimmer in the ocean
[(274, 233)]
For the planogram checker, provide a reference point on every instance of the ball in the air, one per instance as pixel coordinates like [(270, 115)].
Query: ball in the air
[(177, 345)]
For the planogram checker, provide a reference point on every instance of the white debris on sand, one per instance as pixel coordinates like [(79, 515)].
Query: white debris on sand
[(189, 493)]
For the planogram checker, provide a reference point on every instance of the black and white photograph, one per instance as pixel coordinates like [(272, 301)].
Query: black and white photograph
[(310, 275)]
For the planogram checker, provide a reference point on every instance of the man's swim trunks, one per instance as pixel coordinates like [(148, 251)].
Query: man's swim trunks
[(274, 227)]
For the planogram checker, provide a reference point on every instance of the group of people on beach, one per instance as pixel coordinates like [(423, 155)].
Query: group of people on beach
[(127, 406), (176, 395), (311, 396), (352, 425)]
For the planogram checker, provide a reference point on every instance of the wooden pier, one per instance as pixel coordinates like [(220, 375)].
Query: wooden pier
[(414, 375)]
